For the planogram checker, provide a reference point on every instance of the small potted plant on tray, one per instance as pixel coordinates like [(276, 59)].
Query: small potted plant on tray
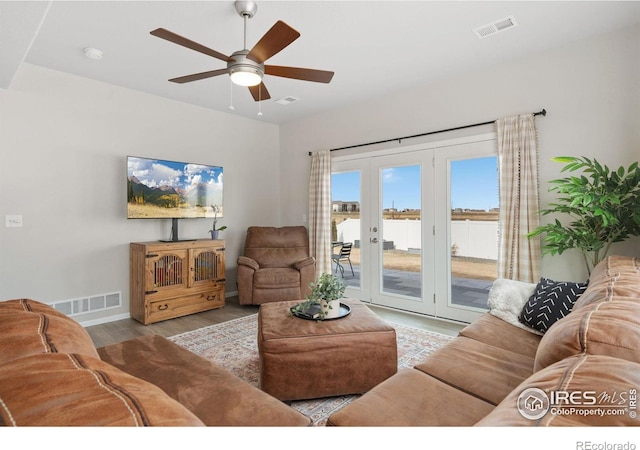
[(324, 300)]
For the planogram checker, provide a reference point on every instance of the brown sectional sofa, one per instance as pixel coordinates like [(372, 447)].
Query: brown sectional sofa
[(592, 354), (52, 375)]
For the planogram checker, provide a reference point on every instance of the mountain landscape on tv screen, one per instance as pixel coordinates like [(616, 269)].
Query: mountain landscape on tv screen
[(168, 201), (159, 188)]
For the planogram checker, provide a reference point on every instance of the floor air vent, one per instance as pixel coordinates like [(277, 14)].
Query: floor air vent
[(495, 27), (85, 305)]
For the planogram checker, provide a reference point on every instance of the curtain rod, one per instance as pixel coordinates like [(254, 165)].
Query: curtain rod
[(399, 139)]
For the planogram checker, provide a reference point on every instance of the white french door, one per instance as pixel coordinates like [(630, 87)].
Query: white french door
[(466, 224), (401, 239), (411, 249)]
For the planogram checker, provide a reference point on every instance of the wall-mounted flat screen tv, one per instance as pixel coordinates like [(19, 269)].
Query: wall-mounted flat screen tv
[(161, 189)]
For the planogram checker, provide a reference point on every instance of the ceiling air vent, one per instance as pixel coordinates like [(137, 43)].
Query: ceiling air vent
[(495, 27), (287, 100)]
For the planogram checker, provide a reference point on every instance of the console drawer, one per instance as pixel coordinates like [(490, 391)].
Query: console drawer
[(181, 306)]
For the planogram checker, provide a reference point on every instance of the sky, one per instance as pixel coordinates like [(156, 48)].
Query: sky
[(474, 185), (155, 173)]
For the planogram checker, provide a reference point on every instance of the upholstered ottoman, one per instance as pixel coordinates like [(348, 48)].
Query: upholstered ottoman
[(302, 359)]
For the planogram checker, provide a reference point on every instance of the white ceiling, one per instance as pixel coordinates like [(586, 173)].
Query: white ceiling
[(374, 47)]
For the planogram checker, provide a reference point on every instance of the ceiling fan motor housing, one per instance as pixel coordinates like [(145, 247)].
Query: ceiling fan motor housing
[(240, 63), (246, 8)]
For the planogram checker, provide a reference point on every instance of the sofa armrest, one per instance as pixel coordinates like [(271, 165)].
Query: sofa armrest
[(30, 327), (246, 261), (309, 260), (61, 389), (307, 268)]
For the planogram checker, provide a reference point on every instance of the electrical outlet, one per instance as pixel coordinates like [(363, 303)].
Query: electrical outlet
[(13, 220)]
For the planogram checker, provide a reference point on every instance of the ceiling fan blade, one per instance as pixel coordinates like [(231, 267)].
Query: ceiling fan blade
[(259, 92), (278, 37), (298, 73), (199, 76), (183, 41)]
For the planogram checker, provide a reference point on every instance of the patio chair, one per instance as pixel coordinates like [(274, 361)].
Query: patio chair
[(344, 255)]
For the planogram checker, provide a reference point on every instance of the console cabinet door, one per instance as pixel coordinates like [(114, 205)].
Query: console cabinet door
[(166, 272), (206, 267)]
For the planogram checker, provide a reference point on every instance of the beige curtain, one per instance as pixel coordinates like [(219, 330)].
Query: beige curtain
[(519, 256), (320, 211)]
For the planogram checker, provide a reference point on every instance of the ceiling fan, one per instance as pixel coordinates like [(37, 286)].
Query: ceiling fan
[(246, 67)]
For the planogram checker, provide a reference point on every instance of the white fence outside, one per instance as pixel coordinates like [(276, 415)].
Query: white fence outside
[(469, 238)]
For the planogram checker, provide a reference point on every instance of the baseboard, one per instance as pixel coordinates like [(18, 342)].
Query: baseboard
[(101, 320)]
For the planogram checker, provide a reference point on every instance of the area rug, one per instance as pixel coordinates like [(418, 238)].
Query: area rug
[(233, 345)]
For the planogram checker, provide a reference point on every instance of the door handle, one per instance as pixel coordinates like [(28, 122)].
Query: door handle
[(374, 240)]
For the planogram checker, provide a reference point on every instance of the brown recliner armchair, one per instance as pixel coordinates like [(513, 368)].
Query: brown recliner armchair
[(276, 265)]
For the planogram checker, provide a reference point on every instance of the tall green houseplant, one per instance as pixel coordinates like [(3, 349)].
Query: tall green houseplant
[(603, 207)]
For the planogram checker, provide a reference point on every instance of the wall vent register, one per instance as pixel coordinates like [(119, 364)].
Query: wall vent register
[(83, 305)]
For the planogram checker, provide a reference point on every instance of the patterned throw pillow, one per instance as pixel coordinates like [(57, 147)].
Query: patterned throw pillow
[(550, 302)]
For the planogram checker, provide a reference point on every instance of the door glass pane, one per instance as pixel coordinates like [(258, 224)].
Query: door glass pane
[(473, 230), (345, 226), (401, 232)]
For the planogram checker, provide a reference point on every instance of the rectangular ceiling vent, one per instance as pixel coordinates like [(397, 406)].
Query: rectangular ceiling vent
[(287, 100), (495, 27)]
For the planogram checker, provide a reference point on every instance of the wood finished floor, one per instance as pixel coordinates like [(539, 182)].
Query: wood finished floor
[(121, 330)]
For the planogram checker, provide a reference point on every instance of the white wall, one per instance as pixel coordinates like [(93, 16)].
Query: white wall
[(591, 90), (63, 142)]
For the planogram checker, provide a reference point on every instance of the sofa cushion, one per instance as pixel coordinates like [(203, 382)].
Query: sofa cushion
[(550, 302), (277, 247), (276, 278), (29, 327), (412, 398), (498, 333), (616, 276), (58, 389), (598, 383), (605, 328), (216, 396), (479, 369)]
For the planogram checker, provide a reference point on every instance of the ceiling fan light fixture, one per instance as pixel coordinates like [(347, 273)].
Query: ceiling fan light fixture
[(245, 76), (244, 71)]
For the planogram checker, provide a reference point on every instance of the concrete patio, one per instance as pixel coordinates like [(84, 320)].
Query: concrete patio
[(464, 291)]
